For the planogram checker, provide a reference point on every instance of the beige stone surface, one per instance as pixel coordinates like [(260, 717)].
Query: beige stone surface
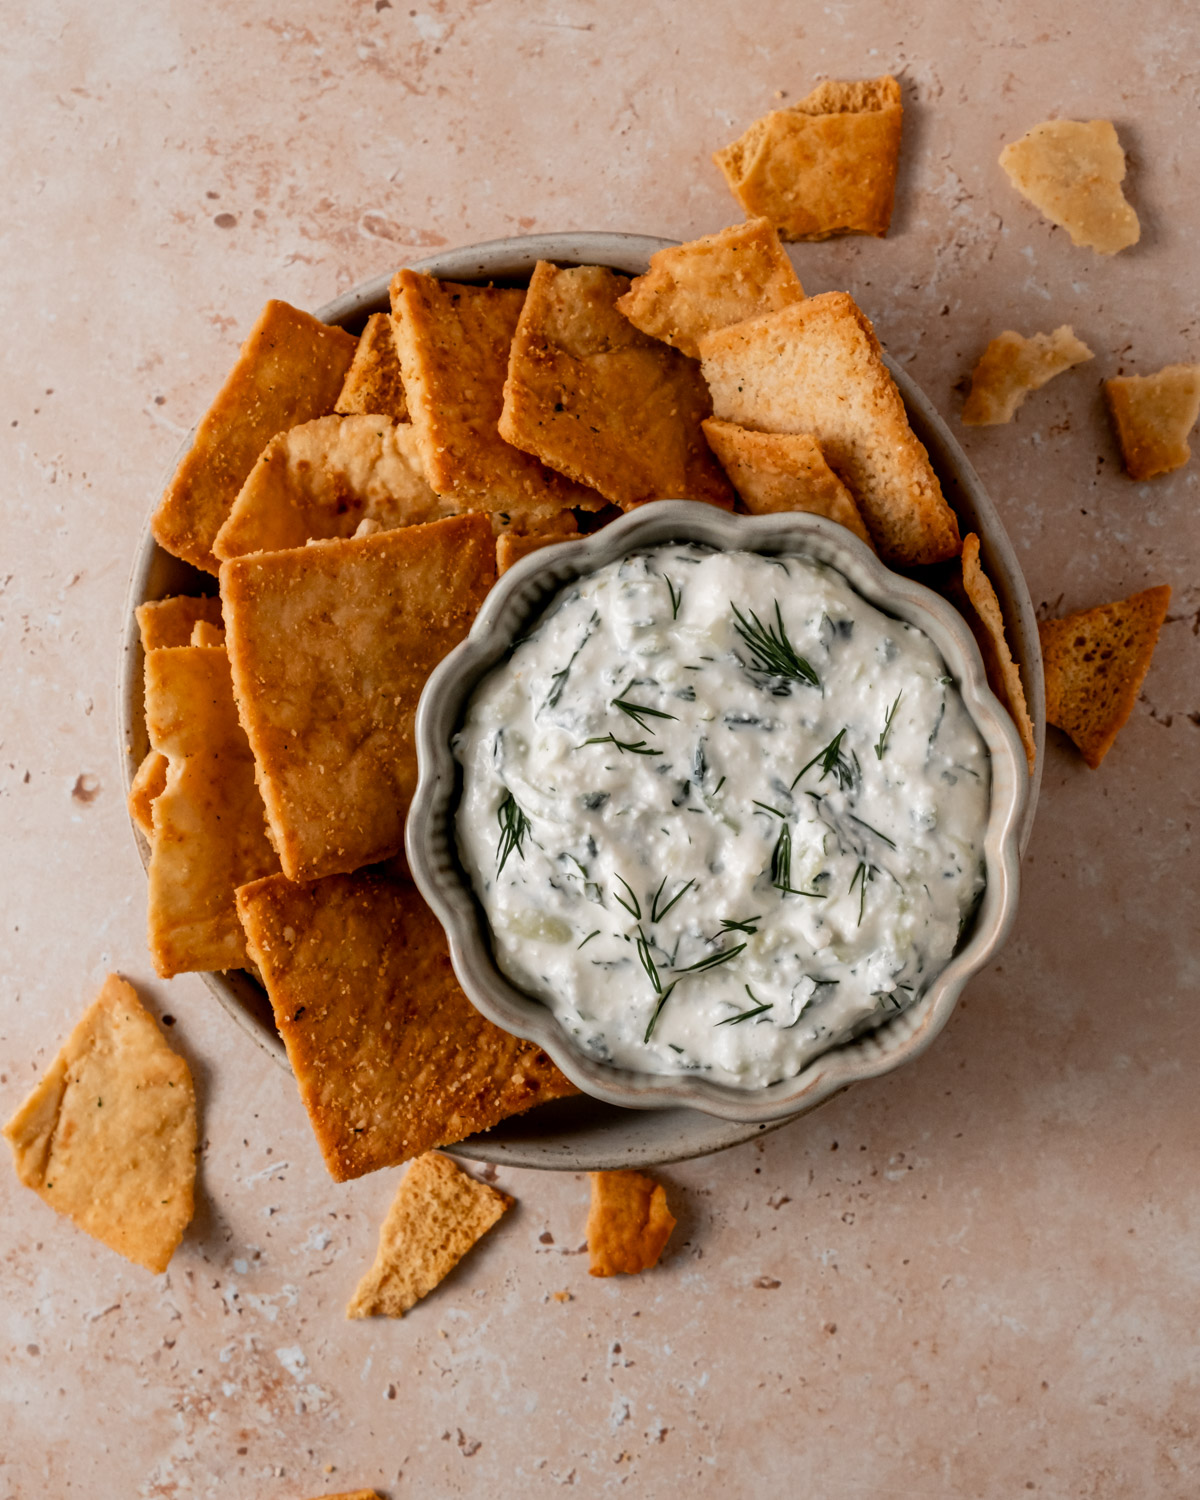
[(976, 1278)]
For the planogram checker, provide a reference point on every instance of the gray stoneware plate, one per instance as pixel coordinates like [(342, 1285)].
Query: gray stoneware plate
[(578, 1134)]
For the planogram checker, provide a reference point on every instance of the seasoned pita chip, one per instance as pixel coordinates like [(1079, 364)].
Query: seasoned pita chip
[(438, 1213), (709, 283), (289, 370), (108, 1137), (816, 367), (628, 1223), (170, 622), (209, 831), (1152, 416), (511, 549), (780, 471), (391, 1057), (824, 166), (204, 634), (1003, 674), (330, 646), (1095, 664), (1071, 171), (374, 385), (351, 1495), (148, 780), (597, 399), (1011, 366)]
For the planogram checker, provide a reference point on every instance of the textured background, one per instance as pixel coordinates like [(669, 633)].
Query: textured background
[(978, 1278)]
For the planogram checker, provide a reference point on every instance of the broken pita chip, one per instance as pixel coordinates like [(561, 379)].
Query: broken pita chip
[(1095, 663), (1071, 171), (1011, 366), (826, 165), (816, 367), (599, 400), (330, 646), (438, 1213), (628, 1223), (351, 1495), (148, 781), (1003, 674), (724, 278), (204, 634), (170, 622), (390, 1056), (511, 549), (290, 370), (374, 385), (108, 1137), (1152, 416)]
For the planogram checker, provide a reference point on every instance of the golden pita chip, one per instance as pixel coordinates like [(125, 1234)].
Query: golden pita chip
[(511, 549), (599, 400), (204, 634), (391, 1057), (351, 1495), (1011, 366), (374, 385), (816, 367), (438, 1213), (628, 1223), (148, 780), (108, 1137), (709, 283), (1003, 674), (1152, 416), (1071, 171), (170, 622), (330, 646), (290, 370), (824, 166), (209, 830), (1095, 663)]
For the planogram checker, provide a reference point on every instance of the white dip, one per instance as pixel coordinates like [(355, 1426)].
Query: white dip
[(721, 812)]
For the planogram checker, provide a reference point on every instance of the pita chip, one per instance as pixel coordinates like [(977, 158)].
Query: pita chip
[(1011, 366), (1152, 416), (148, 780), (511, 549), (170, 622), (1003, 674), (204, 634), (628, 1224), (374, 385), (1071, 171)]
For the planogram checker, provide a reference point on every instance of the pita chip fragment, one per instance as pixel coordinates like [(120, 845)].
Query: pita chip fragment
[(148, 780), (204, 634), (826, 165), (628, 1223), (374, 385), (390, 1056), (724, 278), (1071, 171), (170, 622), (1095, 663), (351, 1495), (1003, 674), (108, 1137), (1152, 416), (290, 370), (1011, 366), (438, 1213), (511, 549)]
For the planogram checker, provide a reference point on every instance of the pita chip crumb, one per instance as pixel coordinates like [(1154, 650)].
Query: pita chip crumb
[(374, 385), (628, 1223), (1095, 663), (1011, 366), (148, 780), (170, 622), (351, 1495), (1152, 416), (204, 634), (511, 549), (1003, 674), (1071, 171), (438, 1213), (108, 1137)]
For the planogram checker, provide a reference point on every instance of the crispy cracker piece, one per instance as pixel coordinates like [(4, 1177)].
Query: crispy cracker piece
[(599, 400), (148, 780), (1152, 416), (209, 830), (374, 385), (816, 367), (1095, 662), (204, 634), (628, 1223), (1011, 366), (438, 1213), (826, 165), (108, 1137), (290, 370), (1003, 674), (511, 549), (1071, 171), (170, 622), (330, 646), (391, 1057), (351, 1495), (323, 479), (724, 278)]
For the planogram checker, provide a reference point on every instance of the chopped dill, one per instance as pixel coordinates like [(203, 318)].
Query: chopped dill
[(712, 961), (869, 829), (663, 998), (676, 596), (647, 962), (881, 743), (833, 762), (636, 710), (635, 911), (640, 748), (862, 873), (656, 915), (745, 925), (766, 807), (514, 825), (773, 653), (588, 939), (747, 1015)]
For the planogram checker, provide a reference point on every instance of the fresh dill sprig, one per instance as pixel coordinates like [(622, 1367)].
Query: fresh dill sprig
[(514, 825), (640, 748), (662, 1000), (781, 860), (745, 925), (766, 807), (635, 712), (718, 786), (647, 961), (833, 762), (712, 961), (862, 873), (587, 939), (869, 829), (881, 743), (635, 911), (747, 1015), (773, 653), (676, 596), (656, 915)]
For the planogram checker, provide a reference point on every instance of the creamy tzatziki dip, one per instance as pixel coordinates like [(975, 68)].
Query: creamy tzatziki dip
[(721, 812)]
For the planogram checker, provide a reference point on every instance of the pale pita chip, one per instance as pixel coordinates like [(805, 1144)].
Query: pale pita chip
[(170, 622), (204, 634), (1011, 366), (511, 549), (724, 278), (1152, 416), (438, 1213), (290, 370), (1004, 676), (108, 1137), (148, 780), (374, 385), (816, 367), (824, 166), (599, 400), (628, 1223), (390, 1056), (330, 646), (1071, 171)]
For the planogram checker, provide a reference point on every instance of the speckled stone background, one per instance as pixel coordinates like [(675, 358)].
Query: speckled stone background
[(977, 1278)]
